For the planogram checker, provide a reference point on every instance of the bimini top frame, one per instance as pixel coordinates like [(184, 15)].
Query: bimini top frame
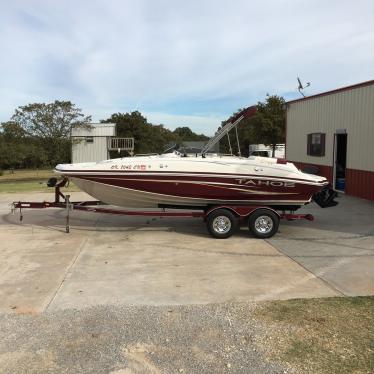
[(232, 122)]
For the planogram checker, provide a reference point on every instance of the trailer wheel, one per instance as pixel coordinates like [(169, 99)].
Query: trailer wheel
[(222, 223), (263, 223)]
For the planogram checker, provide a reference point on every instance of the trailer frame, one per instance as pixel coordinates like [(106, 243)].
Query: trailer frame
[(62, 201)]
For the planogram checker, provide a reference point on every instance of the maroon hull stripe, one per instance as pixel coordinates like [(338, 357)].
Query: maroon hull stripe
[(83, 173), (212, 188)]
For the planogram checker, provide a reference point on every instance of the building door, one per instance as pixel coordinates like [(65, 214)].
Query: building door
[(340, 161)]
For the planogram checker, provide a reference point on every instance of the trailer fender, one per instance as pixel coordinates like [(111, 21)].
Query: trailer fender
[(242, 211)]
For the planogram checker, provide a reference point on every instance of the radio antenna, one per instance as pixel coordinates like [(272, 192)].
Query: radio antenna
[(302, 87)]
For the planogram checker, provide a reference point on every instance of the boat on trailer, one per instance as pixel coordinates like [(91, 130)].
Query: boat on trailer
[(172, 180), (226, 189)]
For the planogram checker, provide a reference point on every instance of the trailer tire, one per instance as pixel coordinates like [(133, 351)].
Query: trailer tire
[(263, 223), (222, 223)]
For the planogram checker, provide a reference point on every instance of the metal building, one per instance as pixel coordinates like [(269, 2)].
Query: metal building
[(332, 134), (95, 142)]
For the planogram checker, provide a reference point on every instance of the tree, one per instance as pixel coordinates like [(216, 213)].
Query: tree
[(269, 123), (38, 134), (148, 138), (12, 131), (51, 124), (134, 125), (51, 121), (266, 127), (186, 134)]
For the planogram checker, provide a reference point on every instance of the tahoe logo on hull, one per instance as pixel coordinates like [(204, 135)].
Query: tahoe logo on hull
[(259, 182)]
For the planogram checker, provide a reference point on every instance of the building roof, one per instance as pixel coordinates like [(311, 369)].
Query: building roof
[(342, 89), (95, 129)]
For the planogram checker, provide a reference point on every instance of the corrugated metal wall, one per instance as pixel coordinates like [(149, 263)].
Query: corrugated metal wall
[(352, 110), (86, 152)]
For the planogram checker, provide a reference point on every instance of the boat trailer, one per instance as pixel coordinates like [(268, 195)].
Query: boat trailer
[(222, 220)]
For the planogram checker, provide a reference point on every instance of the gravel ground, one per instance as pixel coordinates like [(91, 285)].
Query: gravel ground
[(215, 338)]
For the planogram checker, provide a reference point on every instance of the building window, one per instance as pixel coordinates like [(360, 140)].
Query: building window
[(89, 139), (316, 144)]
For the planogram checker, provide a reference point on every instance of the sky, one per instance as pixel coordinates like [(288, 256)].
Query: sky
[(180, 63)]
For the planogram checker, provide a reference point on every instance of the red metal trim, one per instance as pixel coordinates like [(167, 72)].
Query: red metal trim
[(139, 213), (242, 210), (281, 161), (294, 217), (53, 204), (342, 89), (360, 183), (89, 206)]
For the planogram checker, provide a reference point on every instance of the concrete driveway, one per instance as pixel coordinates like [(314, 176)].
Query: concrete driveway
[(136, 260), (338, 247), (126, 295), (118, 260)]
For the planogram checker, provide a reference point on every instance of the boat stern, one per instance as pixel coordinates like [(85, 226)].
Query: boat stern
[(324, 195)]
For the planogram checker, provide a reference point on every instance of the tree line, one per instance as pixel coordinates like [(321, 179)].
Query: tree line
[(38, 134)]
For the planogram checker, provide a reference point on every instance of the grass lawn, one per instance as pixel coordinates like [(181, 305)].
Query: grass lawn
[(29, 181), (26, 175), (333, 335)]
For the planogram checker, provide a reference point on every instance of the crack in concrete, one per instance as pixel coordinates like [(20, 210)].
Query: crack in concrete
[(320, 273), (67, 271)]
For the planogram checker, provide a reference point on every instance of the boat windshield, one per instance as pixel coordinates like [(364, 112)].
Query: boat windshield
[(171, 149)]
